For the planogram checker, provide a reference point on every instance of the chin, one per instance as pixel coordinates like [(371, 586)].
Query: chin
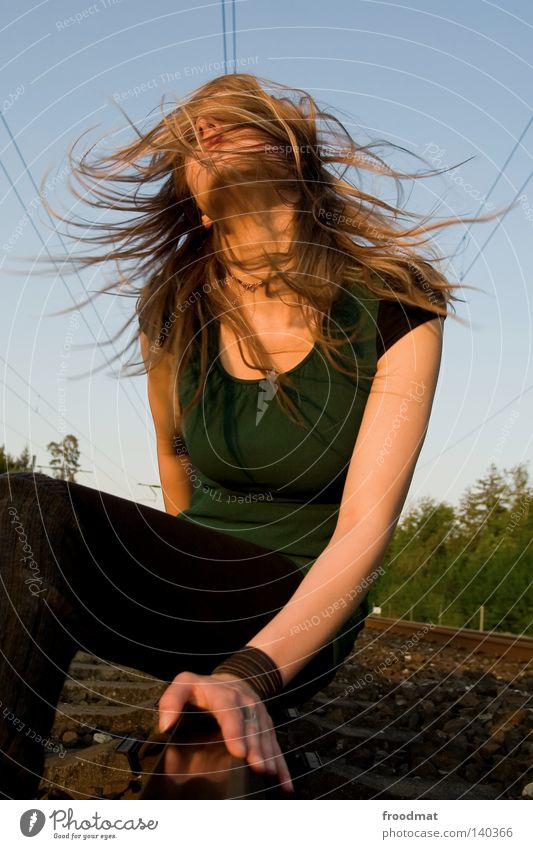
[(241, 175)]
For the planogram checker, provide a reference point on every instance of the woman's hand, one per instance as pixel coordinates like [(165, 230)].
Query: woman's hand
[(225, 695)]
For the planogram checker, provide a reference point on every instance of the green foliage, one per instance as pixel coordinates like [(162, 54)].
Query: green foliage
[(65, 458), (8, 463), (445, 562)]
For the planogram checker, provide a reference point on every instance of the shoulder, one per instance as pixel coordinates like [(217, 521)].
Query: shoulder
[(395, 319), (391, 317)]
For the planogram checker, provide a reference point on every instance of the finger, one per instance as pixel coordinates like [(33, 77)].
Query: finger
[(225, 707), (254, 743), (257, 734), (269, 744), (221, 703), (267, 754), (280, 764), (283, 771), (173, 700), (267, 740), (248, 734), (270, 751), (277, 761)]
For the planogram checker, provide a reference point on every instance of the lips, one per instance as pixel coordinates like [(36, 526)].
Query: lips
[(213, 141)]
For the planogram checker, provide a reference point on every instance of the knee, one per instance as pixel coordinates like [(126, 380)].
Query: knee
[(22, 490), (25, 476), (36, 524), (24, 481)]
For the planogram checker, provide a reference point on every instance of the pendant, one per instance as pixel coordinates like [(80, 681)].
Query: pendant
[(250, 286)]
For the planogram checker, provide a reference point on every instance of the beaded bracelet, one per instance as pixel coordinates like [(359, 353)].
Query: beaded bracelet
[(256, 668)]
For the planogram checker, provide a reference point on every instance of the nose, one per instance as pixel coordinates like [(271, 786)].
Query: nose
[(207, 127)]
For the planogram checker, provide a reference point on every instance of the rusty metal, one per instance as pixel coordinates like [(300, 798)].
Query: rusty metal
[(508, 646), (362, 755)]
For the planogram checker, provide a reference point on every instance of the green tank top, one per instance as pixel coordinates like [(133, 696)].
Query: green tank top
[(261, 477)]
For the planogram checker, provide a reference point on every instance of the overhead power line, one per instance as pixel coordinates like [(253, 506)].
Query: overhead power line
[(108, 458), (493, 231), (64, 246), (496, 181), (476, 257), (50, 425), (53, 427), (481, 424), (233, 16), (73, 300), (225, 35), (222, 3)]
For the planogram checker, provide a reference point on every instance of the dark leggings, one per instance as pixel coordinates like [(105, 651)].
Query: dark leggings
[(85, 570)]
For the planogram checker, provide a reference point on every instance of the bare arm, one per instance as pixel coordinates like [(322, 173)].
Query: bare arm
[(379, 476), (173, 468), (381, 468)]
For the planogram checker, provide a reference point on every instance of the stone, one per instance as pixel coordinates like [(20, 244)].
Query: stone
[(426, 769), (69, 738), (489, 749), (361, 757), (508, 721), (115, 788), (102, 737), (512, 740), (472, 772), (450, 757), (454, 726), (486, 687), (414, 720), (485, 717), (504, 771), (423, 748), (469, 700)]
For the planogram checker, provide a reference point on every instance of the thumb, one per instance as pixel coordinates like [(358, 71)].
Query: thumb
[(171, 704), (167, 719)]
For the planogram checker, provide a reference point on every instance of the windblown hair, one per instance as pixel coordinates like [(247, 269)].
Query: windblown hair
[(174, 267)]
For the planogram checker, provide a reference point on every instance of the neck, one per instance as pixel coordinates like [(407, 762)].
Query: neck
[(249, 236)]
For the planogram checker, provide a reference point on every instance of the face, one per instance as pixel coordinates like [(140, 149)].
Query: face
[(219, 143)]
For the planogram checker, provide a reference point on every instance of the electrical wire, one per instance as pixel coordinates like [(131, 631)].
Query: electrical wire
[(494, 184), (234, 37), (498, 223), (222, 3), (225, 35), (61, 277), (51, 406)]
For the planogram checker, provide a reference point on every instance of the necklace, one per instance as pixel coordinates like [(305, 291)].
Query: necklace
[(250, 287)]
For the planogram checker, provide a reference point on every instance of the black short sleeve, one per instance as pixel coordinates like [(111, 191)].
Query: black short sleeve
[(395, 319), (155, 333)]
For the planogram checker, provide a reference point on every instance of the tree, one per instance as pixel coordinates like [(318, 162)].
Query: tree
[(8, 463), (416, 561), (65, 458), (444, 562), (484, 502)]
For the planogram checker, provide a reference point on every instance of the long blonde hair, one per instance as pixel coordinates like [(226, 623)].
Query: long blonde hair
[(173, 266)]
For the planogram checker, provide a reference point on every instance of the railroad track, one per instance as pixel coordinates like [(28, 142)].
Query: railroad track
[(111, 748), (509, 646), (437, 724)]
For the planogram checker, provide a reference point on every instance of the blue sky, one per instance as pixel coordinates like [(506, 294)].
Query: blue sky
[(449, 81)]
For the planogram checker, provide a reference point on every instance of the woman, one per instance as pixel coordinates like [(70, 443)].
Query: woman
[(292, 338)]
